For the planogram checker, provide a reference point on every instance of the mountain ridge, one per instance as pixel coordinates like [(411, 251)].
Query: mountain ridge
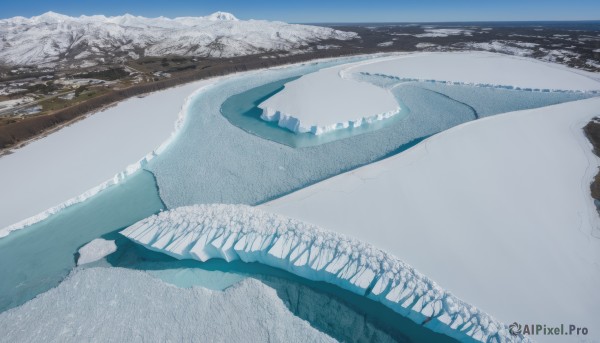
[(53, 39)]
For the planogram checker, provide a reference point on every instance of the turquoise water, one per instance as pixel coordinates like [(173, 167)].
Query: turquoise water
[(37, 258)]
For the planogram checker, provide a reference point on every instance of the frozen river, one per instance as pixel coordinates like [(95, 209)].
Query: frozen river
[(225, 153)]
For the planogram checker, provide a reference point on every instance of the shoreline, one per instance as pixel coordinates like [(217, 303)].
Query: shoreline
[(592, 133)]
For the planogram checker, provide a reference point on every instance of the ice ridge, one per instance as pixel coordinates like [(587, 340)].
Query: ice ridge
[(241, 232)]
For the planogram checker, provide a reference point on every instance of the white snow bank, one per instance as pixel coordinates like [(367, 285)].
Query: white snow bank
[(120, 305), (325, 100), (95, 250), (233, 232), (497, 210), (78, 161), (483, 68)]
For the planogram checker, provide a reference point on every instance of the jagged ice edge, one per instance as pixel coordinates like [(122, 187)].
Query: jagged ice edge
[(295, 125)]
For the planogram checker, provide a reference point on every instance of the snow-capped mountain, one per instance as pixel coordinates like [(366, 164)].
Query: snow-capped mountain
[(222, 16), (53, 38)]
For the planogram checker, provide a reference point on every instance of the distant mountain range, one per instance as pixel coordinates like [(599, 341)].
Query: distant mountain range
[(53, 39)]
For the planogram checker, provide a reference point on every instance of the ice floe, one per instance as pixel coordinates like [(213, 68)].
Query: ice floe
[(95, 250), (324, 101)]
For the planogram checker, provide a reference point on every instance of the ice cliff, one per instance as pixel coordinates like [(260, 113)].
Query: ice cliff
[(240, 232)]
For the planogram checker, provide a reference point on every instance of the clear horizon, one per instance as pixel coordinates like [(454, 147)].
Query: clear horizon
[(334, 11)]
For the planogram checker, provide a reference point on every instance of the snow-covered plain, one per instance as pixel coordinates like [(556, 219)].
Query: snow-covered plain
[(240, 232), (53, 38), (498, 211), (95, 250), (120, 305), (483, 68), (305, 106), (72, 164), (433, 32)]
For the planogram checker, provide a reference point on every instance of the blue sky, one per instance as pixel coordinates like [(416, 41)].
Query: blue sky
[(322, 10)]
